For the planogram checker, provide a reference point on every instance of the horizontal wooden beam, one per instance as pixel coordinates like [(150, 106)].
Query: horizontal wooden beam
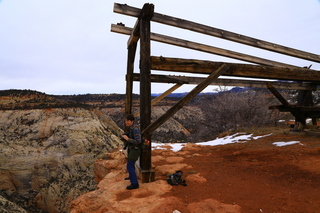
[(182, 102), (300, 108), (309, 112), (227, 82), (160, 97), (203, 48), (223, 34), (235, 69), (297, 114)]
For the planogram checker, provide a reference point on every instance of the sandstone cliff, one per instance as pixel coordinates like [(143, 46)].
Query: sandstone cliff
[(48, 144), (9, 207), (47, 155)]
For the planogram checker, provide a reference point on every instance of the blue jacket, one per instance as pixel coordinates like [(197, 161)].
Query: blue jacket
[(134, 136)]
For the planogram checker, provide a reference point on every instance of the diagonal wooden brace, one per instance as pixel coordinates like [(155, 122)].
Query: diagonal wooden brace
[(299, 117), (214, 75)]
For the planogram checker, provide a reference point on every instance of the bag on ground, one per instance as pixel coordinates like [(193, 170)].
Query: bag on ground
[(176, 179)]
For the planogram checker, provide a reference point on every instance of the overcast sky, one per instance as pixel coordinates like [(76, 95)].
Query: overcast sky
[(66, 46)]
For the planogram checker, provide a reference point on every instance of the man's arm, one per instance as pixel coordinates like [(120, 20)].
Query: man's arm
[(137, 136)]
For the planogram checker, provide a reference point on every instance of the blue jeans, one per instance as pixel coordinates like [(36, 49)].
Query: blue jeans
[(132, 172)]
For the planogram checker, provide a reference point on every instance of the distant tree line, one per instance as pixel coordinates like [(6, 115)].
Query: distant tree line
[(19, 93)]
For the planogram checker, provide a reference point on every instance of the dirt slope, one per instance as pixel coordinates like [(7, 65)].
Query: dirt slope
[(257, 175), (254, 176)]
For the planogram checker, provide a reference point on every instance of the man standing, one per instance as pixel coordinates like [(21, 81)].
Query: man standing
[(133, 140)]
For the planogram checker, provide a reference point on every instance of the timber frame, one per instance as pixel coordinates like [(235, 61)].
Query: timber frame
[(284, 76)]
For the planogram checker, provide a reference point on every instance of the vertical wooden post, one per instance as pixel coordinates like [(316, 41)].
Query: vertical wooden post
[(305, 99), (129, 77), (145, 90), (299, 117)]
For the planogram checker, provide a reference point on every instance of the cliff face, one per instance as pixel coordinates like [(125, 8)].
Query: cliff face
[(9, 207), (47, 155), (48, 144)]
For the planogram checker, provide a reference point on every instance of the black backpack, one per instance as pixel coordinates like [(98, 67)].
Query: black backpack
[(176, 179)]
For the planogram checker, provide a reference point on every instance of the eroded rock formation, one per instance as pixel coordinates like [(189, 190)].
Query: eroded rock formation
[(111, 194), (47, 155), (8, 207)]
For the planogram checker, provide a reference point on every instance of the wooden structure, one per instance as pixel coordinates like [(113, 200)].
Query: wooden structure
[(292, 77)]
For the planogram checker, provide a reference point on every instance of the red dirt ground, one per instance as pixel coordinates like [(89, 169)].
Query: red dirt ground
[(257, 175)]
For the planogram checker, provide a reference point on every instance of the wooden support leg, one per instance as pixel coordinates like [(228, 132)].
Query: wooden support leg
[(145, 175), (300, 118), (314, 121), (145, 90)]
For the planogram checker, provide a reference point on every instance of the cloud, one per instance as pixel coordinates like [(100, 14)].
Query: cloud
[(47, 42)]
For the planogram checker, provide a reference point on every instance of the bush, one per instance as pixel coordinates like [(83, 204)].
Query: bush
[(235, 111)]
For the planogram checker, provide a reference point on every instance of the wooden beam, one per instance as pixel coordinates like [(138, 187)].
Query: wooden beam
[(135, 34), (145, 85), (298, 115), (309, 112), (214, 75), (146, 13), (160, 97), (166, 93), (203, 48), (305, 98), (223, 34), (235, 69), (129, 77), (227, 82)]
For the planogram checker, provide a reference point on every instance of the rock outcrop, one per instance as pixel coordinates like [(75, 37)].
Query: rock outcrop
[(47, 155), (8, 207), (111, 194)]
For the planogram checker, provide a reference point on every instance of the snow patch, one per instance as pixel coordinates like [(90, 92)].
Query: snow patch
[(236, 138)]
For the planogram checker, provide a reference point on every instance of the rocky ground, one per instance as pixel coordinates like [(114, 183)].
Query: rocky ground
[(254, 176), (47, 156)]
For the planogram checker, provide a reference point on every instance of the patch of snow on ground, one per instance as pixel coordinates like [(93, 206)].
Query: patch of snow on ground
[(236, 138), (286, 143)]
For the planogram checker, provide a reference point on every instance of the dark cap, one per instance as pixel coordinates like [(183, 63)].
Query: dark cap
[(130, 117)]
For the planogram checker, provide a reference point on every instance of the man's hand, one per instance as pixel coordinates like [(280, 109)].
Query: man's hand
[(125, 137)]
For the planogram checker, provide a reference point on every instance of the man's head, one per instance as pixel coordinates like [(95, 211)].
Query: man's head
[(129, 120)]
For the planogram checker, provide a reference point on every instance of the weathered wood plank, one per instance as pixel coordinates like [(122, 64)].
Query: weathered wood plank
[(135, 34), (227, 82), (299, 108), (145, 82), (235, 69), (223, 34), (215, 74), (305, 98), (309, 112), (298, 115), (203, 48), (160, 97), (129, 77)]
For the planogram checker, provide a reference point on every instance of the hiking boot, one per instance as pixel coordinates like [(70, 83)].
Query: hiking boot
[(132, 186)]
